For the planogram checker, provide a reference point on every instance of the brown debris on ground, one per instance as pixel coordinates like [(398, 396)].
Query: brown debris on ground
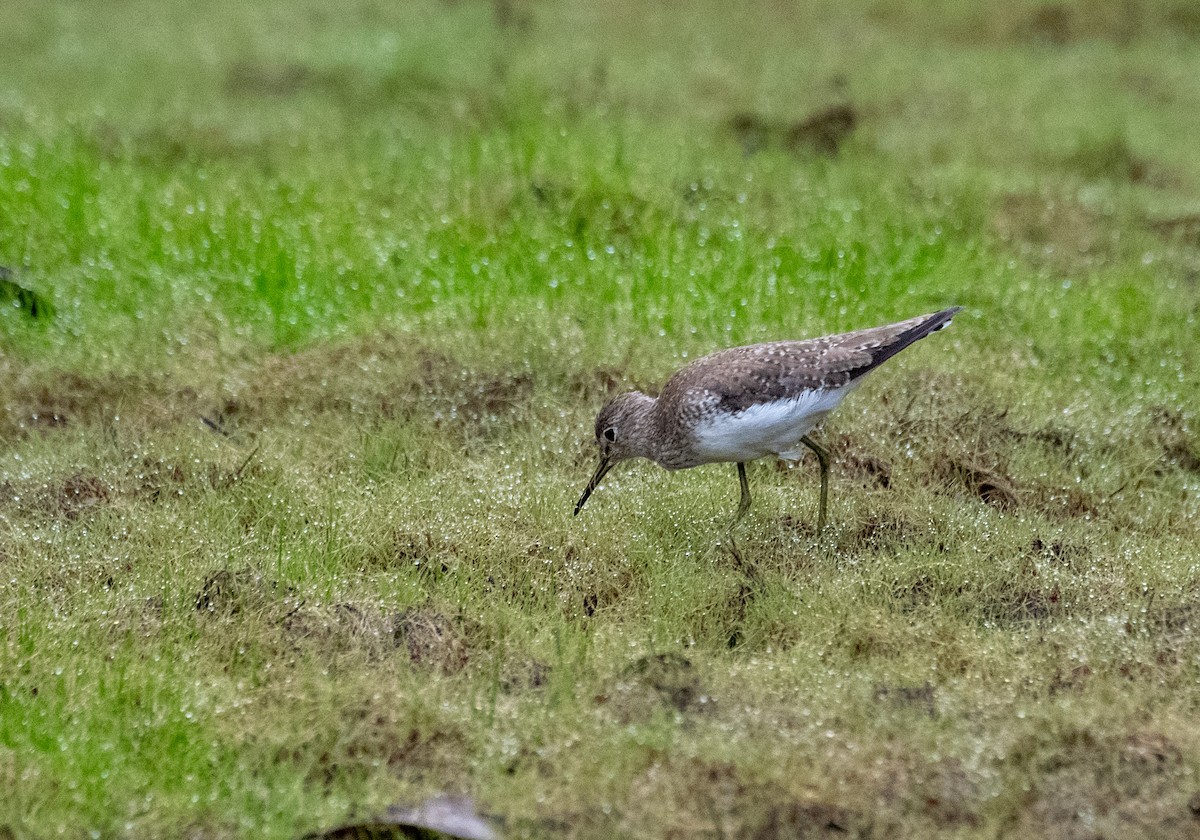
[(1053, 231), (920, 697), (51, 402), (433, 639), (855, 458), (380, 377), (1184, 228), (78, 494), (247, 78), (883, 531), (1020, 604), (1176, 439), (805, 819), (823, 132), (987, 484), (1060, 24), (342, 628), (229, 592), (1092, 786), (373, 732), (651, 683), (597, 385), (894, 795)]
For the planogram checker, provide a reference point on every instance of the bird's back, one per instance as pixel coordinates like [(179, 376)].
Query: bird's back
[(736, 379)]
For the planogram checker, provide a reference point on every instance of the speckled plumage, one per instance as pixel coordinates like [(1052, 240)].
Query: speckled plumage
[(746, 402)]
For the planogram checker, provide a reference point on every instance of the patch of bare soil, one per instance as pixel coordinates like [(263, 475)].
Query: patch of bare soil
[(1059, 553), (1053, 23), (1184, 229), (597, 385), (886, 795), (138, 617), (1176, 439), (855, 459), (811, 819), (433, 639), (1112, 158), (737, 606), (1091, 786), (883, 530), (527, 675), (342, 628), (596, 594), (915, 594), (381, 377), (148, 479), (375, 378), (650, 683), (246, 78), (986, 481), (169, 144), (47, 402), (155, 479), (922, 698), (376, 732), (1172, 620), (1061, 24), (967, 445), (823, 132), (72, 497), (1019, 604), (229, 592), (432, 556), (1072, 681), (78, 494), (477, 400), (1053, 231), (694, 798), (581, 588)]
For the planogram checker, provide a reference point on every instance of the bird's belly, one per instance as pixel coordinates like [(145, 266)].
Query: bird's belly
[(769, 428)]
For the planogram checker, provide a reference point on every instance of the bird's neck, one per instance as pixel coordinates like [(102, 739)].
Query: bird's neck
[(645, 436)]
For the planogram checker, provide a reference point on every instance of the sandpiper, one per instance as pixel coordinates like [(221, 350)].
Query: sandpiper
[(748, 402)]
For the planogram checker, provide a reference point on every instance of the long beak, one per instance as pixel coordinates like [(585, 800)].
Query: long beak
[(601, 471)]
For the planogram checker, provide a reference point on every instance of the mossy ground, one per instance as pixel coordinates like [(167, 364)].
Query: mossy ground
[(287, 471)]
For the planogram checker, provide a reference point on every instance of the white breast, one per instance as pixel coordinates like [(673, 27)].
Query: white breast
[(770, 428)]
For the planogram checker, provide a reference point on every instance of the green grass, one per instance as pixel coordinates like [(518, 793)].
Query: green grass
[(400, 254)]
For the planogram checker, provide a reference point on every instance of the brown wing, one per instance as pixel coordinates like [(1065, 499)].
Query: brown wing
[(744, 376)]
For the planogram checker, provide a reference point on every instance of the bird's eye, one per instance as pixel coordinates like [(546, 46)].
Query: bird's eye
[(610, 434)]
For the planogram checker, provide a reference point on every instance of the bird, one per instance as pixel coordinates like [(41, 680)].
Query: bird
[(744, 403)]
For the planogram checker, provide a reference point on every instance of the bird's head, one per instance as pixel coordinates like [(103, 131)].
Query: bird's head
[(621, 433)]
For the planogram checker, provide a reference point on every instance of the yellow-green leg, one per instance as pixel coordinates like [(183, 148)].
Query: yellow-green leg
[(823, 460)]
